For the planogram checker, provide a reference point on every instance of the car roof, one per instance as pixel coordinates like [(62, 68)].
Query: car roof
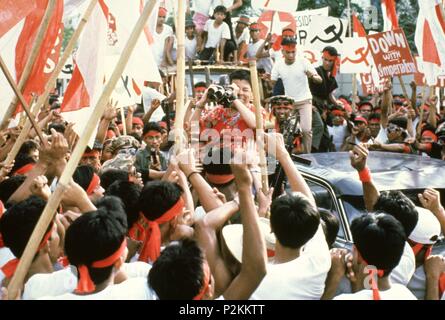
[(390, 171)]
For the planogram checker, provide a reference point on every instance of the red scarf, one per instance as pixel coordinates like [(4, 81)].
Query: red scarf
[(372, 275), (151, 248)]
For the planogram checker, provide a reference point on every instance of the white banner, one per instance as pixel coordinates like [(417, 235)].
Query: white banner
[(355, 56), (326, 31), (303, 20)]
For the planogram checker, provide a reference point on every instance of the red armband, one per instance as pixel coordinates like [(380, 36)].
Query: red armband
[(365, 175)]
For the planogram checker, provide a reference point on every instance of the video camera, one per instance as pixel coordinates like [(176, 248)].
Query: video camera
[(223, 95)]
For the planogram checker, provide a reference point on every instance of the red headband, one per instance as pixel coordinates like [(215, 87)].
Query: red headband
[(219, 178), (93, 153), (417, 247), (137, 120), (335, 59), (429, 134), (374, 120), (85, 284), (288, 33), (151, 248), (289, 47), (374, 285), (207, 276), (163, 124), (25, 169), (95, 181), (162, 12), (337, 113), (152, 133), (9, 268), (201, 88), (360, 119)]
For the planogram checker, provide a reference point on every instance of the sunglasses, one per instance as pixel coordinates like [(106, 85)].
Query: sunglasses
[(393, 129), (282, 103)]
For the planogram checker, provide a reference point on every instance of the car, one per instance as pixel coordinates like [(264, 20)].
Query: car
[(336, 186)]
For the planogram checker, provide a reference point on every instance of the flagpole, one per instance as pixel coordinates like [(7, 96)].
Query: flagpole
[(354, 75), (180, 77), (43, 28), (259, 125), (22, 100), (53, 78), (54, 200)]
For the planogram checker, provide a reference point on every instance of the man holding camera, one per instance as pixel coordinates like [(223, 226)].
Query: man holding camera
[(234, 109)]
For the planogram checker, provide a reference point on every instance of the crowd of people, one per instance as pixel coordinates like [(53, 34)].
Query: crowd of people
[(144, 220)]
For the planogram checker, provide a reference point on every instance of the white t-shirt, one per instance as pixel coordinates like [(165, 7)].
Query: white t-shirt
[(65, 281), (338, 133), (396, 292), (404, 271), (159, 43), (202, 6), (382, 137), (190, 48), (276, 56), (245, 36), (265, 63), (300, 279), (215, 35), (295, 81), (417, 284), (131, 289)]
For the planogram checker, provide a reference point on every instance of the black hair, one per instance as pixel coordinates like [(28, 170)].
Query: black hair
[(178, 272), (111, 175), (157, 197), (398, 205), (9, 186), (331, 226), (136, 136), (53, 98), (375, 115), (83, 176), (400, 121), (59, 127), (151, 126), (380, 239), (129, 193), (240, 75), (200, 84), (288, 41), (27, 147), (331, 50), (294, 220), (95, 236), (221, 164), (21, 160), (18, 223), (221, 9)]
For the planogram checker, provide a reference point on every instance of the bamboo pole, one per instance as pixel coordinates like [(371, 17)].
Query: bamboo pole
[(54, 200), (402, 83), (419, 125), (21, 99), (259, 125), (354, 75), (180, 77), (53, 78), (43, 28)]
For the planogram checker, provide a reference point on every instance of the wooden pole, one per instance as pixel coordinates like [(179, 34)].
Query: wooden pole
[(53, 78), (180, 77), (192, 78), (354, 75), (54, 200), (31, 60), (259, 125), (419, 125), (21, 99), (402, 83)]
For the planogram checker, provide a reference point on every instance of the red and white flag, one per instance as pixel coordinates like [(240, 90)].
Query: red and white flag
[(16, 45), (276, 5), (357, 27), (390, 20), (430, 39), (12, 11)]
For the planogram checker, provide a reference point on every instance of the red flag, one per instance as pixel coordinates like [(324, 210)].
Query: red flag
[(274, 22), (12, 11), (48, 53), (357, 26), (389, 15)]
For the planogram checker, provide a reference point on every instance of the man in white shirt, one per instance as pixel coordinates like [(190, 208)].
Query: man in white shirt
[(379, 241), (160, 36), (255, 50), (216, 34), (302, 260), (190, 41), (295, 72), (242, 38)]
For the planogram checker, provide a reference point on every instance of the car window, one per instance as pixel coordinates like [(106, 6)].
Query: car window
[(324, 199), (354, 207)]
